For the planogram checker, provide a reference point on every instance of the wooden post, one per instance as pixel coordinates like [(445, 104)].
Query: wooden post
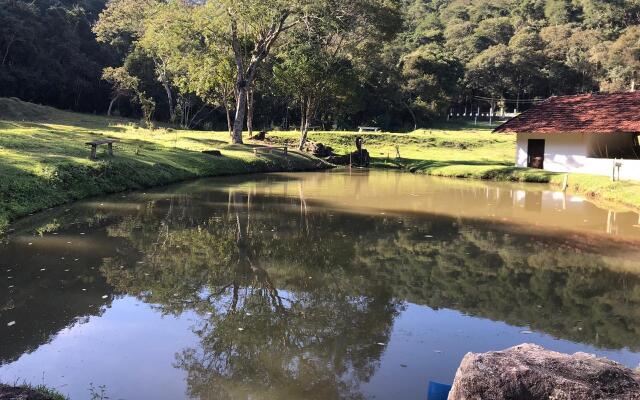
[(565, 183), (616, 165), (93, 151), (619, 165), (110, 149)]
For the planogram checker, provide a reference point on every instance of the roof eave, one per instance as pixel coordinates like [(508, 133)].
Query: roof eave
[(566, 132)]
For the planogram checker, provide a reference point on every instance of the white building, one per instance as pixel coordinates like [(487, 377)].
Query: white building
[(592, 134)]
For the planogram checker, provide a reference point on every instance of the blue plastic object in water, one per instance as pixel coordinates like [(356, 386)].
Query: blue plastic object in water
[(438, 391)]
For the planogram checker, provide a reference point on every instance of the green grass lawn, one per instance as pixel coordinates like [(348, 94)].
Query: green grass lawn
[(423, 149), (467, 151), (44, 159)]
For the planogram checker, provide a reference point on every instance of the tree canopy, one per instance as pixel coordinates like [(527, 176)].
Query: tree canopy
[(333, 63)]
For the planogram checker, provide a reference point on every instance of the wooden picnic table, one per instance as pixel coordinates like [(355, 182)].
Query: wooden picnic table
[(99, 142)]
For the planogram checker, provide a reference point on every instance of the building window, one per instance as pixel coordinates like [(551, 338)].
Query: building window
[(615, 145)]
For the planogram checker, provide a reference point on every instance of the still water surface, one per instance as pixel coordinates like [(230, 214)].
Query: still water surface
[(317, 285)]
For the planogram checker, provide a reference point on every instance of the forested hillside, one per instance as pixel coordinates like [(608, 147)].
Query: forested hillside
[(274, 63), (49, 55)]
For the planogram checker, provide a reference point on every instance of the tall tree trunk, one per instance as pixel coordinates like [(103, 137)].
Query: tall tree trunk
[(250, 111), (186, 111), (304, 124), (286, 118), (167, 88), (225, 100), (161, 70), (245, 77), (6, 52), (111, 104), (413, 115), (241, 108), (229, 123)]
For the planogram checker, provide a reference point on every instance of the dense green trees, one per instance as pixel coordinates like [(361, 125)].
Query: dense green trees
[(394, 63), (48, 53)]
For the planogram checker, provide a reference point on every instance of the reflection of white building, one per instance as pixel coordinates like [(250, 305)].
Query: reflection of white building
[(593, 134), (553, 208)]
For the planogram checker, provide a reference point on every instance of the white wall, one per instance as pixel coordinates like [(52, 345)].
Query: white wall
[(568, 152)]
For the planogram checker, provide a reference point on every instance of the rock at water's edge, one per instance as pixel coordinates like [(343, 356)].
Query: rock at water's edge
[(530, 372)]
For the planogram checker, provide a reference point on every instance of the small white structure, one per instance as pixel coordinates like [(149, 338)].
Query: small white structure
[(590, 134)]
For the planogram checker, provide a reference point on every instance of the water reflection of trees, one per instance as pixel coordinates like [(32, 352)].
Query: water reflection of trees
[(271, 321), (488, 271), (522, 280), (288, 311), (292, 302)]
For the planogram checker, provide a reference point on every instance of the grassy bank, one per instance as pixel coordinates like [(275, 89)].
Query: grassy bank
[(44, 159), (29, 392), (467, 151)]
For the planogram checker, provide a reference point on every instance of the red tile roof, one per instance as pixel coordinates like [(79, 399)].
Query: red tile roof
[(587, 113)]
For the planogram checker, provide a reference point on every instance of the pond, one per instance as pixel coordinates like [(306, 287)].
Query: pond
[(312, 285)]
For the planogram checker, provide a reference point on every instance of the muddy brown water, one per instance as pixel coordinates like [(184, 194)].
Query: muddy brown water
[(312, 285)]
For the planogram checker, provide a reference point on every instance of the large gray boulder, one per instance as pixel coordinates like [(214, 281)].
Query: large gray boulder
[(529, 372)]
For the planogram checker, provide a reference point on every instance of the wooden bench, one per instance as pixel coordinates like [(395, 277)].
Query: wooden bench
[(271, 149), (94, 146), (368, 129)]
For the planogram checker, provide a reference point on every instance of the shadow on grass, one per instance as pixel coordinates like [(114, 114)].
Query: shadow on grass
[(46, 142), (208, 142), (84, 126)]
